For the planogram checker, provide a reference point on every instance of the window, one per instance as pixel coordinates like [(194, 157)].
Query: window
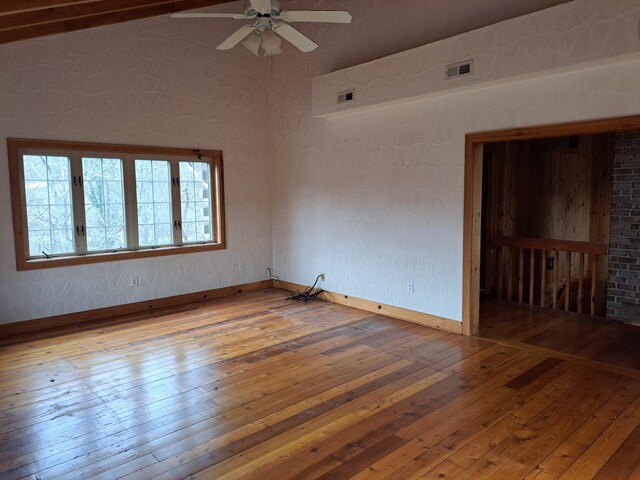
[(195, 187), (47, 192), (103, 185), (77, 203), (153, 193)]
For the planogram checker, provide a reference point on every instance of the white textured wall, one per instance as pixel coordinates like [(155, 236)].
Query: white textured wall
[(375, 199), (562, 38), (372, 200), (153, 82)]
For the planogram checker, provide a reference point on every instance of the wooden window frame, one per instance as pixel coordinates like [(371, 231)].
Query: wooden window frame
[(15, 147)]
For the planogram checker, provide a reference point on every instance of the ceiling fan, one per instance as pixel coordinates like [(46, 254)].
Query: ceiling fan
[(269, 23)]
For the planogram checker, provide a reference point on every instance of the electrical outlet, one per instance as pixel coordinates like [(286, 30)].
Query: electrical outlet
[(322, 277), (410, 287), (134, 281), (242, 267)]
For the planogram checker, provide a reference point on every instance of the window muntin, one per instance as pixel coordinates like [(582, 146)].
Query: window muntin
[(101, 224), (195, 199), (153, 194), (104, 204), (47, 192)]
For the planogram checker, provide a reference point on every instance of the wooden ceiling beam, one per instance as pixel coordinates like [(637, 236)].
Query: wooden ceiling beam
[(72, 12), (17, 6), (99, 14)]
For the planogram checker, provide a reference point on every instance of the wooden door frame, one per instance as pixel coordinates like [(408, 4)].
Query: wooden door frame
[(471, 256)]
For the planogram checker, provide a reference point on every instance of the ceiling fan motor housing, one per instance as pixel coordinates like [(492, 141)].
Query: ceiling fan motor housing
[(275, 9)]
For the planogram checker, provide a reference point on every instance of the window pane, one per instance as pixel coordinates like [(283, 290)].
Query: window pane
[(96, 239), (47, 181), (115, 237), (62, 240), (195, 198), (153, 192), (104, 203)]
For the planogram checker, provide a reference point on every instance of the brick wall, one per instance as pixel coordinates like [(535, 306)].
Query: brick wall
[(623, 296)]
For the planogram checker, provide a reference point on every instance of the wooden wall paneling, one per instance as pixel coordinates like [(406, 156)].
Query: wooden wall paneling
[(601, 191), (545, 191), (489, 268)]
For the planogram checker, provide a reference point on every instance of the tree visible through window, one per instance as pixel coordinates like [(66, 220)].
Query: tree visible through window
[(80, 202), (104, 203), (153, 190), (195, 193), (47, 186)]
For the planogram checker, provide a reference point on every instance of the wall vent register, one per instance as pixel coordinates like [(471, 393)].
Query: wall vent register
[(346, 96), (457, 70)]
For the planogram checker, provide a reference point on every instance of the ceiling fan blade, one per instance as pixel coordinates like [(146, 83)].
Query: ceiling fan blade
[(236, 37), (325, 16), (236, 16), (294, 37), (262, 6)]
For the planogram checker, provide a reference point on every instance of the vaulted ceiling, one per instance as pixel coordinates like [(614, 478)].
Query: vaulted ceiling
[(22, 19)]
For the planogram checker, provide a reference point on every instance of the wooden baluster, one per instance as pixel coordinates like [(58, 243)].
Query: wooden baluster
[(510, 276), (556, 258), (567, 281), (543, 282), (580, 283), (499, 263), (491, 272), (521, 276), (532, 269), (594, 270)]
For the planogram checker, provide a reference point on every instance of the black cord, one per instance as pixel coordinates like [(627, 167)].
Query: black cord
[(309, 294), (276, 281)]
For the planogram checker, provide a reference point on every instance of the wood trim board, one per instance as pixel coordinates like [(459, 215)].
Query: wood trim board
[(413, 316), (10, 330), (30, 326), (473, 195), (547, 244)]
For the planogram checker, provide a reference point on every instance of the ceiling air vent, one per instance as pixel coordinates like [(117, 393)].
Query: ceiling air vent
[(462, 69), (346, 96)]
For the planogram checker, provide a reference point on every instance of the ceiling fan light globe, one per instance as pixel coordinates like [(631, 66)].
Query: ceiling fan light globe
[(273, 52), (271, 44), (252, 43)]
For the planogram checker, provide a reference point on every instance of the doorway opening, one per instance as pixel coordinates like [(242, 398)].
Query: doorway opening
[(552, 246)]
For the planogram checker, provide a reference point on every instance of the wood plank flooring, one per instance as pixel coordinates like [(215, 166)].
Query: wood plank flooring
[(255, 386), (581, 336)]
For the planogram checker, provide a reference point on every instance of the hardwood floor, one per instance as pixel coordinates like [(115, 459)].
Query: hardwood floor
[(254, 386), (578, 336)]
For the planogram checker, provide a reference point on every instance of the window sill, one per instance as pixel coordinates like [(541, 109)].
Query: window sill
[(56, 262)]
